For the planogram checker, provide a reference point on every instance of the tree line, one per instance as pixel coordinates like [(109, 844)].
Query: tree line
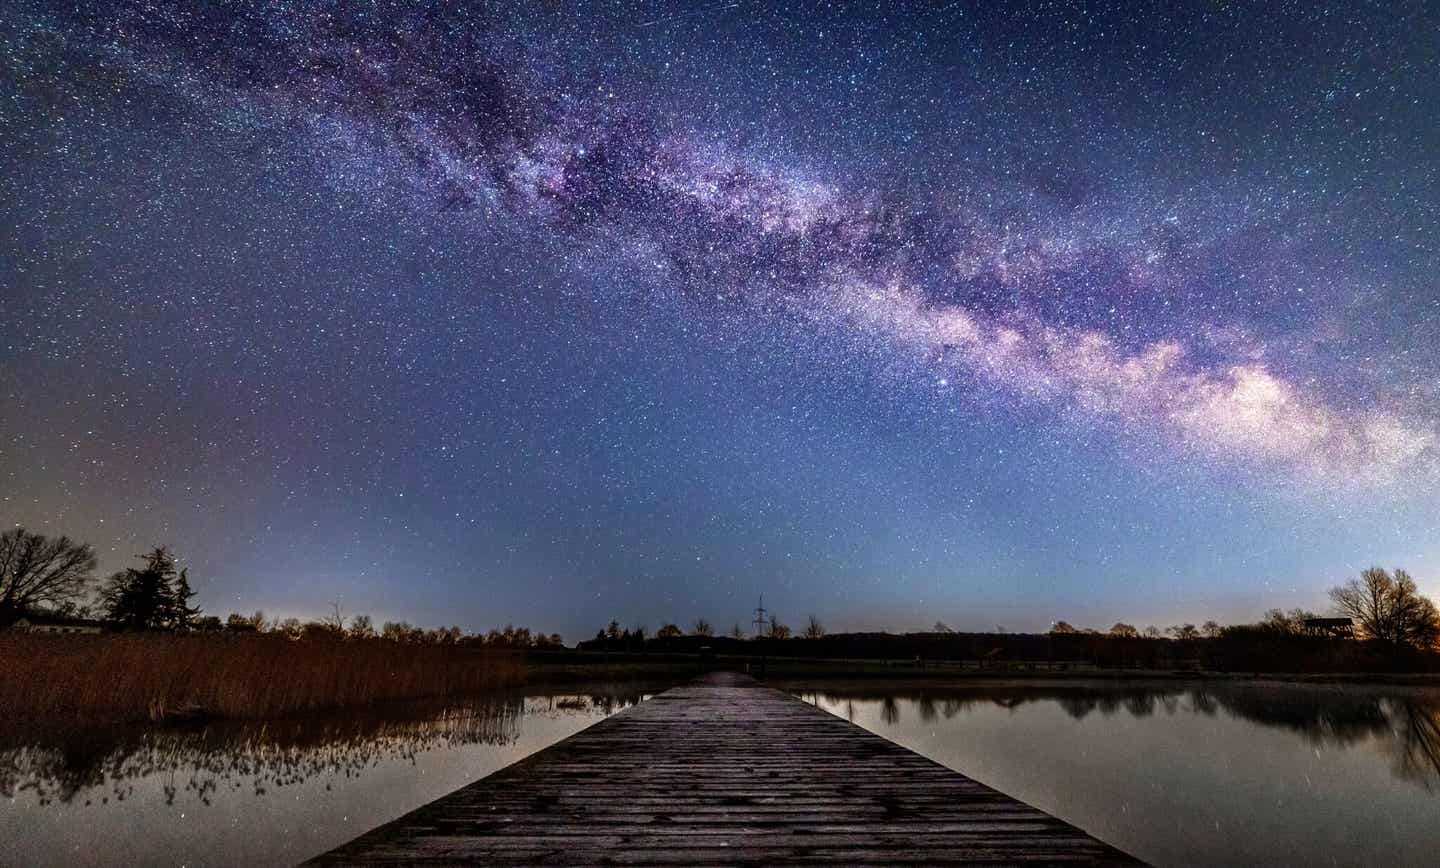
[(41, 575), (1384, 608), (614, 637), (55, 577), (1378, 619)]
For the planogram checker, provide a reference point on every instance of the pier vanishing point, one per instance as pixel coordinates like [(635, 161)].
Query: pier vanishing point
[(725, 771)]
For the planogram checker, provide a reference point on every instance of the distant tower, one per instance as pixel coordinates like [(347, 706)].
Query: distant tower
[(760, 620)]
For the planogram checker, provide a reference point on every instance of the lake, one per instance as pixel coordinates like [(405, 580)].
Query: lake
[(1227, 773), (1177, 774), (262, 793)]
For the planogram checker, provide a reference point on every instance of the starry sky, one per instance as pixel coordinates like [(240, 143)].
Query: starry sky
[(551, 313)]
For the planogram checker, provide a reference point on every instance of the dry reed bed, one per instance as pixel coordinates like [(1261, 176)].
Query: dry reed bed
[(149, 676)]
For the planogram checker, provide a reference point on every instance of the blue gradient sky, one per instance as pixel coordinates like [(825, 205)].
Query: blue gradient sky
[(895, 314)]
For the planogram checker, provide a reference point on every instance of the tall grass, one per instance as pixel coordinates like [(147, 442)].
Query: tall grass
[(140, 676)]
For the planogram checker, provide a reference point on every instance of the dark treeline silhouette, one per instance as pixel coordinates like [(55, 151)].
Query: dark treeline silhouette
[(156, 596), (54, 578), (1241, 648), (1382, 624), (361, 628)]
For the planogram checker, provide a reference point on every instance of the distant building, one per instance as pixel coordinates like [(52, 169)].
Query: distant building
[(1336, 628), (56, 624)]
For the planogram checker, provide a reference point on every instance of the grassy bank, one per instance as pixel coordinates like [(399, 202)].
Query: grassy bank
[(152, 676)]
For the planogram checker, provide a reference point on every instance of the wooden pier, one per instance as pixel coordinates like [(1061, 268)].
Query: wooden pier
[(725, 772)]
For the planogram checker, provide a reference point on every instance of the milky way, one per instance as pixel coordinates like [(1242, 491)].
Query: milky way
[(1193, 320), (448, 104)]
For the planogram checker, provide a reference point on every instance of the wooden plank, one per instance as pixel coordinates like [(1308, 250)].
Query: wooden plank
[(726, 772)]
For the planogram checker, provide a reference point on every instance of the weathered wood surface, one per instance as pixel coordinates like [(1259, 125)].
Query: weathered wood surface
[(726, 772)]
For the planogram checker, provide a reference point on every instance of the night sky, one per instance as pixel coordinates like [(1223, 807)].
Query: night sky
[(985, 313)]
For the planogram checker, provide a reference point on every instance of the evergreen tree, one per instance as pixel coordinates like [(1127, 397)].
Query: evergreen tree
[(183, 615), (146, 598)]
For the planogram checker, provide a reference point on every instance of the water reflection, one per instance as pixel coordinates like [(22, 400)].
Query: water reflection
[(1177, 773), (1404, 723), (63, 764), (263, 791)]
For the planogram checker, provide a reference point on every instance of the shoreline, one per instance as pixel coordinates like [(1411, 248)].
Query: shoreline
[(1404, 679), (170, 691)]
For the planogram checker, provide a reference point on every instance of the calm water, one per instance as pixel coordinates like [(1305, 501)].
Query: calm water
[(1237, 774), (264, 793), (1245, 774)]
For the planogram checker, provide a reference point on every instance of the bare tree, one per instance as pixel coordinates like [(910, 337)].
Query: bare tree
[(1184, 631), (777, 629), (1153, 632), (702, 627), (669, 631), (1212, 630), (1389, 609), (1062, 628), (361, 627), (1281, 623), (814, 629), (36, 571), (1121, 630), (941, 627), (336, 619)]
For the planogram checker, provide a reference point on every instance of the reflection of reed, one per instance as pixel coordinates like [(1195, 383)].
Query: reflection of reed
[(263, 756), (1404, 722), (890, 710)]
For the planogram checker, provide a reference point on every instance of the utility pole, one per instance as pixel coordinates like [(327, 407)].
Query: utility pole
[(760, 631)]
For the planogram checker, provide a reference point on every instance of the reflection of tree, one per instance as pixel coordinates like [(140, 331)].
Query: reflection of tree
[(1078, 707), (263, 755), (1325, 715), (1203, 703), (1415, 749), (1140, 704), (951, 706), (1404, 721)]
